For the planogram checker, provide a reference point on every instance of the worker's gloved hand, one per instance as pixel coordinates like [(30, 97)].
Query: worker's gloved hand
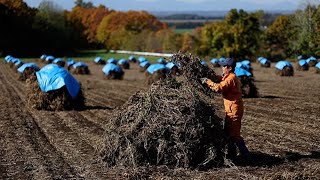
[(203, 80)]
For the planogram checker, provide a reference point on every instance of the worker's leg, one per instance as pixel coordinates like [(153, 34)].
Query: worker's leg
[(233, 127)]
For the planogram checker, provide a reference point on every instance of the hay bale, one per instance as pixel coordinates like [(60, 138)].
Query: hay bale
[(170, 125), (286, 71), (53, 100), (248, 88)]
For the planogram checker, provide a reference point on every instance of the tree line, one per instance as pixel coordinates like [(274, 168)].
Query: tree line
[(50, 29)]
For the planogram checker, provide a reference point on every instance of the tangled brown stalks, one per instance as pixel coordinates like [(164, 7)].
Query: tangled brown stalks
[(168, 125), (27, 73), (192, 69), (53, 100), (79, 70), (286, 71), (249, 89)]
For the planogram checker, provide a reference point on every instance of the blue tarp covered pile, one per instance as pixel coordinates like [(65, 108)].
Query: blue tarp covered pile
[(155, 67), (52, 77), (282, 64), (28, 65), (241, 72), (110, 67)]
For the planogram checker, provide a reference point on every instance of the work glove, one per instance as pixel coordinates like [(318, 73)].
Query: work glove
[(204, 80)]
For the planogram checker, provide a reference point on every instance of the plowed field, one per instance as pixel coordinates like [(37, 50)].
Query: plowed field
[(281, 128)]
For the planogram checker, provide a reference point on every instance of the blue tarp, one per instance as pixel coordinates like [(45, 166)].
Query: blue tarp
[(155, 67), (8, 58), (144, 63), (302, 62), (243, 66), (24, 66), (260, 58), (204, 63), (318, 65), (170, 65), (111, 67), (241, 72), (142, 59), (52, 77), (311, 59), (57, 60), (14, 60), (246, 62), (70, 62), (214, 61), (282, 64), (222, 59), (123, 61), (49, 58), (43, 56), (131, 58), (299, 57), (112, 60), (18, 62), (161, 61), (79, 64), (97, 59), (264, 61)]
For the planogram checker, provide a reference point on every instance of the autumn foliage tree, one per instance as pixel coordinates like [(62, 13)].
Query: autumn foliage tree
[(118, 30), (237, 36), (86, 20)]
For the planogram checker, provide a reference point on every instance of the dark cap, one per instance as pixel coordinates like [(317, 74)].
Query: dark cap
[(226, 62)]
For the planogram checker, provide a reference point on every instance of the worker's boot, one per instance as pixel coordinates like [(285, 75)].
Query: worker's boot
[(243, 149)]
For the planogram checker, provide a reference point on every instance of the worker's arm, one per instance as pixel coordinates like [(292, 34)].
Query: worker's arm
[(218, 87)]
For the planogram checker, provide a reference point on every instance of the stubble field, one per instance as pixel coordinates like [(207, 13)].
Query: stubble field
[(281, 128)]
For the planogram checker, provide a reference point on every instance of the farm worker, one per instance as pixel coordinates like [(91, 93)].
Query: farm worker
[(230, 89)]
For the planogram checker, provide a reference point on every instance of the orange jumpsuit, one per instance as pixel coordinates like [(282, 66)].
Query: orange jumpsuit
[(232, 97)]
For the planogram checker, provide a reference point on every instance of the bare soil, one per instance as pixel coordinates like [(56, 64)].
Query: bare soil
[(281, 129)]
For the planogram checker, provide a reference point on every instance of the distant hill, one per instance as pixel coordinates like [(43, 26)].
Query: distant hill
[(205, 14)]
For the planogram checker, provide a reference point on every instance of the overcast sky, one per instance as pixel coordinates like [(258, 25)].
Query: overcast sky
[(184, 5)]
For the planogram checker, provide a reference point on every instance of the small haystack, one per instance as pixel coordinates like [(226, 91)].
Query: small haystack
[(143, 66), (59, 61), (57, 98), (248, 88), (264, 62), (99, 61), (48, 59), (317, 67), (154, 73), (112, 71), (79, 68), (284, 68), (302, 65), (26, 70), (312, 61), (132, 59), (173, 69), (215, 62), (171, 124), (124, 64)]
